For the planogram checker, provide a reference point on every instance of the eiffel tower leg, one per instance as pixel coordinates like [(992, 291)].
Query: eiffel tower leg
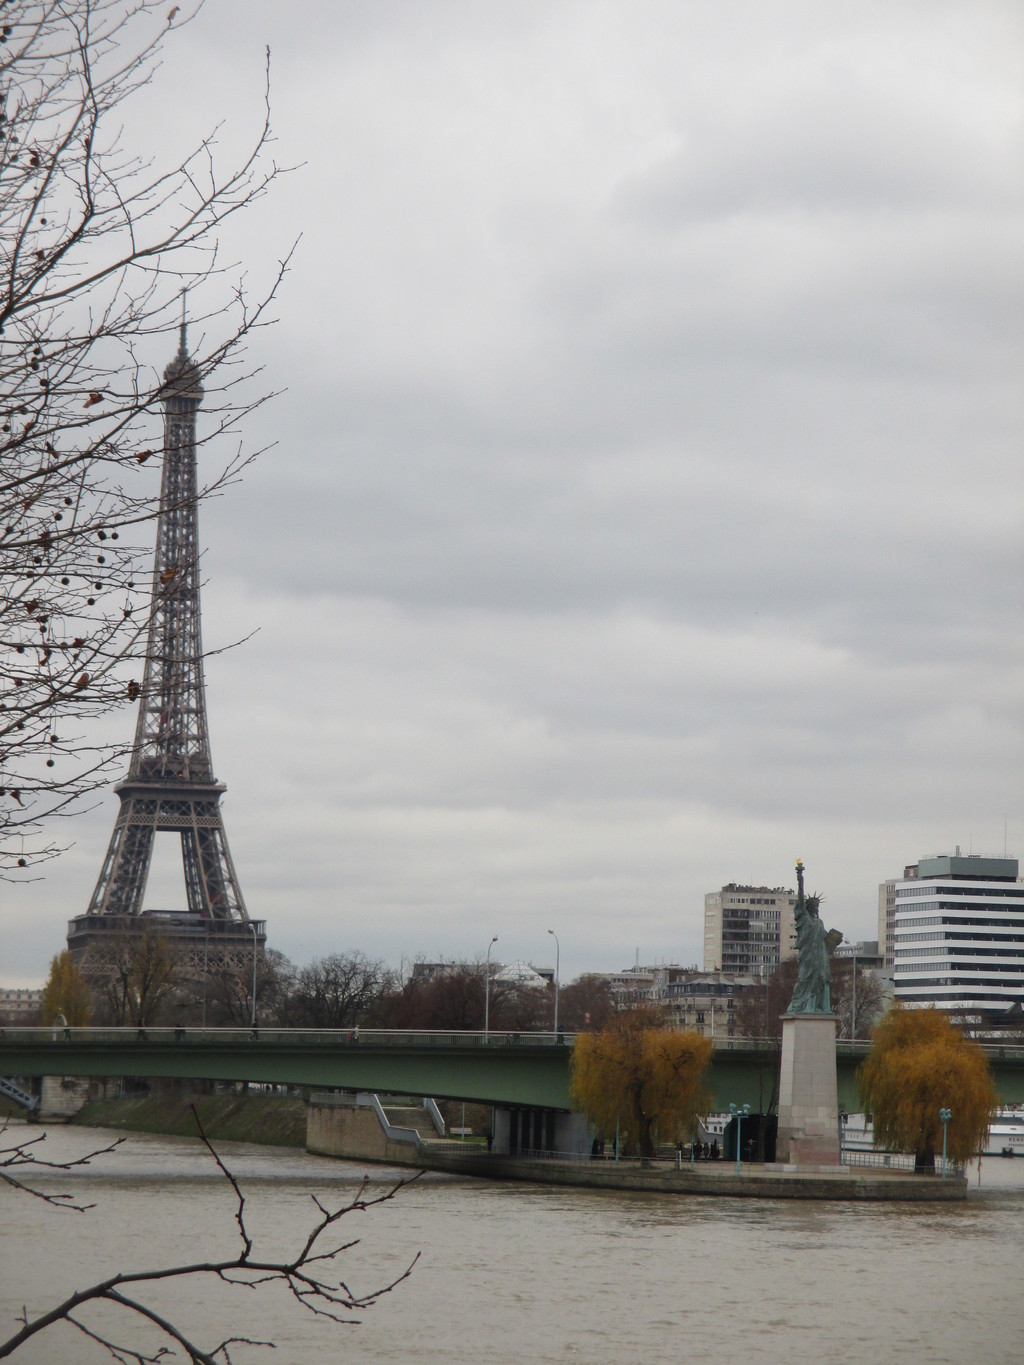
[(219, 874), (122, 880), (211, 884)]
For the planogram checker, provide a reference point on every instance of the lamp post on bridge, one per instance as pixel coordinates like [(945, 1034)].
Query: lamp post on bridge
[(557, 958), (487, 990), (253, 928)]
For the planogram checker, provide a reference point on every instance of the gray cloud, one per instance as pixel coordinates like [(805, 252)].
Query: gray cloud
[(646, 500)]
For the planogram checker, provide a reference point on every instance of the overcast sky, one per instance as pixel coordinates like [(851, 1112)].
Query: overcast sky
[(646, 504)]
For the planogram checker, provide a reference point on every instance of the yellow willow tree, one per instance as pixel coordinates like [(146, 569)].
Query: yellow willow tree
[(644, 1078), (66, 992), (918, 1064)]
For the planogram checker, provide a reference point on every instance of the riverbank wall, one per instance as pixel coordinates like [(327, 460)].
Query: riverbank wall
[(271, 1120), (710, 1178), (349, 1128)]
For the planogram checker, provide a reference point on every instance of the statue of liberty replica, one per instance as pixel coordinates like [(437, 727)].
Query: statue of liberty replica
[(813, 991), (808, 1096)]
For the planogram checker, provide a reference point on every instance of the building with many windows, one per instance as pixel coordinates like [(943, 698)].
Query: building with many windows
[(748, 929), (959, 936), (20, 1004), (887, 917), (706, 1001)]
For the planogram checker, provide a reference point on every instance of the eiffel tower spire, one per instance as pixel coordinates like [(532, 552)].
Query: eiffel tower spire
[(170, 784)]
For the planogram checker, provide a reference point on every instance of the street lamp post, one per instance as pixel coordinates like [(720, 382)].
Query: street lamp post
[(558, 953), (740, 1114), (944, 1117), (206, 966), (487, 990), (253, 928)]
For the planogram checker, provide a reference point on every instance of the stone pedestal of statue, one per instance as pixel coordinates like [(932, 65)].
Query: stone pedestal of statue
[(808, 1098)]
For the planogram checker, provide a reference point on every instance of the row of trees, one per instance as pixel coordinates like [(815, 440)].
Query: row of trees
[(147, 984), (346, 990)]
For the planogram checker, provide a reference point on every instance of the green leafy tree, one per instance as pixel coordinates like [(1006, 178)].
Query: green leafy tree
[(918, 1064), (644, 1078), (67, 993)]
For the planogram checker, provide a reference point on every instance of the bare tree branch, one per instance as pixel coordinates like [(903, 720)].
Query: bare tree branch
[(24, 1154), (97, 246), (307, 1275)]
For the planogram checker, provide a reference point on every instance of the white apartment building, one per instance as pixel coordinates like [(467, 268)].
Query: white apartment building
[(887, 917), (748, 929), (20, 1004), (959, 935)]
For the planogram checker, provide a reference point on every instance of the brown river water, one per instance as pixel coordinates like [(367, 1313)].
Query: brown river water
[(513, 1273)]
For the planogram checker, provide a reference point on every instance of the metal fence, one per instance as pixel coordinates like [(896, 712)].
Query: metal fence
[(327, 1038), (394, 1038), (895, 1161)]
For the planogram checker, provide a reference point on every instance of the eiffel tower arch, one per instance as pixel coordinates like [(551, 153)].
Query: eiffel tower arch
[(170, 784)]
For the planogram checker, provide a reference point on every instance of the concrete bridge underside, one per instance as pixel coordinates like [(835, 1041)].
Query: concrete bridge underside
[(511, 1070)]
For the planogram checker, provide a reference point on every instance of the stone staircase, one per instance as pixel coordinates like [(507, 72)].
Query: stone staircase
[(411, 1116)]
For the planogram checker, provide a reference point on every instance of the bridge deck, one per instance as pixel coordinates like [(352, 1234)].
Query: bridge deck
[(530, 1069)]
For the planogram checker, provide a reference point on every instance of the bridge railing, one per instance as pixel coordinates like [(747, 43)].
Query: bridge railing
[(345, 1038), (350, 1037)]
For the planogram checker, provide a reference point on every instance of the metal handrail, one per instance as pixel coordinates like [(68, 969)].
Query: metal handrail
[(893, 1161), (188, 1034)]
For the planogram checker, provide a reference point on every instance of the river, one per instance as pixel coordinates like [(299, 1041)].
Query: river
[(510, 1274)]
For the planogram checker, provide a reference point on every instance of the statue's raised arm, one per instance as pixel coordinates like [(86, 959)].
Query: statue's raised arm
[(813, 991)]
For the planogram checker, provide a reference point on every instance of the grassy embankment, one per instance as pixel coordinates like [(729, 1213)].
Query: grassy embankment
[(274, 1120)]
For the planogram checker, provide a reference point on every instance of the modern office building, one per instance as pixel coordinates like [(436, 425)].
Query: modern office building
[(887, 917), (867, 954), (748, 929), (959, 936)]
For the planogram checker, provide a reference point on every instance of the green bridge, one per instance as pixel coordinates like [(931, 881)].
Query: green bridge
[(511, 1069)]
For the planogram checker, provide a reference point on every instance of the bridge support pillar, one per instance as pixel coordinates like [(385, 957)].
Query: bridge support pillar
[(552, 1131)]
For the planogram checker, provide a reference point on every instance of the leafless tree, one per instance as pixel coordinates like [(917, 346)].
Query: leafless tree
[(337, 991), (868, 997), (141, 979), (310, 1274), (27, 1156), (450, 998), (586, 1003), (222, 996), (96, 246)]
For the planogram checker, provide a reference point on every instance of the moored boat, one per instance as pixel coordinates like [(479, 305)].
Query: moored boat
[(1005, 1136)]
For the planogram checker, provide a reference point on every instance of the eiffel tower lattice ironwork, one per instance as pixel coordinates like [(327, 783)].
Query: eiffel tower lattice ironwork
[(170, 785)]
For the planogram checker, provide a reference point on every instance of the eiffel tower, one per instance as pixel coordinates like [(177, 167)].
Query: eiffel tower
[(170, 784)]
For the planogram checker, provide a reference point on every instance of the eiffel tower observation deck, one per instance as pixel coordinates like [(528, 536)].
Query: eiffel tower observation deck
[(170, 784)]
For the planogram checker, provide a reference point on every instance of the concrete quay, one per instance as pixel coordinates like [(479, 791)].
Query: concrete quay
[(721, 1179), (353, 1131)]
